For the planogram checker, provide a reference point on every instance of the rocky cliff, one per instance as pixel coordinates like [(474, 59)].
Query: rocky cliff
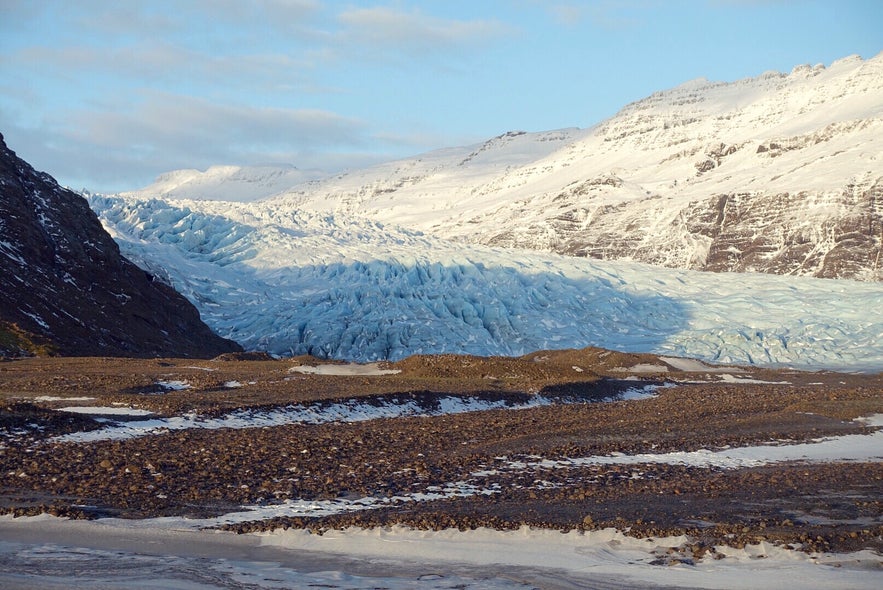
[(65, 289)]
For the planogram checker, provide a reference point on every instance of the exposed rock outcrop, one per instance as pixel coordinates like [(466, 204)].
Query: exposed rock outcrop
[(65, 288), (826, 236)]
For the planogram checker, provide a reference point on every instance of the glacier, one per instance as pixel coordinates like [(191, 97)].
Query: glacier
[(337, 286)]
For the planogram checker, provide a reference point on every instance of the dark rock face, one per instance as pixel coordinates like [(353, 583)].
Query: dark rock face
[(65, 288), (825, 236), (763, 236)]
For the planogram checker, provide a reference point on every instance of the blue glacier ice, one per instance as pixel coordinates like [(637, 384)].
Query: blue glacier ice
[(342, 287)]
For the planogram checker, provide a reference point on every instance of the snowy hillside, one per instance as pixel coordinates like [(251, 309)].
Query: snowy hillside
[(226, 183), (782, 173), (302, 282)]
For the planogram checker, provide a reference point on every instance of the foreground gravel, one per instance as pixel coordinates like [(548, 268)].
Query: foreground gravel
[(201, 473)]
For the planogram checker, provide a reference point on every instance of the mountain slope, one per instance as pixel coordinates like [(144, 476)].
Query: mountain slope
[(65, 288), (227, 183), (778, 174), (334, 286)]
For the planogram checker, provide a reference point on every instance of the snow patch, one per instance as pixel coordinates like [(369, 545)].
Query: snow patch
[(693, 365), (350, 370), (354, 410), (106, 411), (727, 378), (642, 368), (850, 447), (174, 385)]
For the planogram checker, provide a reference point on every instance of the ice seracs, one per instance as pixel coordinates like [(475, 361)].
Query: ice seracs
[(306, 283)]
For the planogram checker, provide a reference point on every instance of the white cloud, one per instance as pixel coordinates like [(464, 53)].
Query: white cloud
[(248, 125), (169, 17), (608, 15), (164, 65), (118, 19), (567, 14), (386, 28), (228, 45), (273, 12), (119, 92), (127, 147)]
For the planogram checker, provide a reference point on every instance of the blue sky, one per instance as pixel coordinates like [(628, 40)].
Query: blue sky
[(105, 95)]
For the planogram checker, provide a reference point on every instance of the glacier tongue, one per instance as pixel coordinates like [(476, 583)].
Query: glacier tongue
[(297, 282)]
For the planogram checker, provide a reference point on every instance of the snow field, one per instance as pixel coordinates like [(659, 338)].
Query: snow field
[(815, 132)]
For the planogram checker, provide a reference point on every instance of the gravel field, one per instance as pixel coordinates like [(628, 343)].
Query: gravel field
[(445, 442)]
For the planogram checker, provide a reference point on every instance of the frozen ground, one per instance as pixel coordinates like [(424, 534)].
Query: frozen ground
[(355, 410), (856, 447), (293, 282), (50, 553), (176, 552)]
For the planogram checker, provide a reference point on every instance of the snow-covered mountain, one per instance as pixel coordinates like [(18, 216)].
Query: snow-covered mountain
[(294, 282), (779, 173), (782, 173), (227, 183)]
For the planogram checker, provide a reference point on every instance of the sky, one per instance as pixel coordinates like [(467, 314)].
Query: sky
[(106, 95)]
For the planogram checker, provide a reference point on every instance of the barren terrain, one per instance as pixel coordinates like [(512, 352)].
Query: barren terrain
[(545, 440)]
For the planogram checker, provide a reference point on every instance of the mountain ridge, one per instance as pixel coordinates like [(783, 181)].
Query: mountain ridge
[(779, 173), (65, 288)]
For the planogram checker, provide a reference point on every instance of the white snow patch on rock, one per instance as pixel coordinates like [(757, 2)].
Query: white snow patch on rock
[(727, 378), (642, 368), (174, 385), (694, 365)]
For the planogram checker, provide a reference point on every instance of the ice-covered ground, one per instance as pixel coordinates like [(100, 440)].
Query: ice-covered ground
[(293, 282), (352, 410), (43, 552), (854, 447), (176, 552)]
